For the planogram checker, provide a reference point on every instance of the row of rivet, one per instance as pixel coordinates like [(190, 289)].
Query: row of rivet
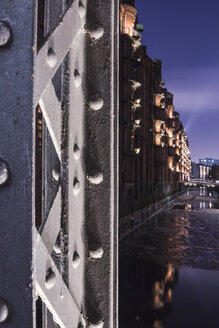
[(95, 177), (5, 36), (50, 278), (52, 60)]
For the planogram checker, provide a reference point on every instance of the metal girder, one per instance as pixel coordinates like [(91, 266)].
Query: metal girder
[(59, 163), (16, 135)]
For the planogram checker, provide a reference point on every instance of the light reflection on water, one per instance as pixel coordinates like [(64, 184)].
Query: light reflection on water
[(196, 206), (154, 296), (146, 292), (169, 270)]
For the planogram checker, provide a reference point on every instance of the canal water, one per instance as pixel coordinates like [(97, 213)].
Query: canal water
[(169, 269)]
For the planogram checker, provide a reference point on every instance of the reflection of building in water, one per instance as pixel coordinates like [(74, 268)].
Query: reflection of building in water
[(163, 290), (157, 324), (145, 292), (203, 191)]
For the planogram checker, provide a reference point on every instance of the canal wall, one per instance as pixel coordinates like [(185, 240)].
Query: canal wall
[(135, 220)]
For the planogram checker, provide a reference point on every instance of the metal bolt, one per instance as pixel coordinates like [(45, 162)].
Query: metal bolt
[(5, 34), (3, 311), (4, 172)]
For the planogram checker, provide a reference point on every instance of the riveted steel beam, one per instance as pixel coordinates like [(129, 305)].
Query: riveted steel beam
[(59, 163), (16, 150), (101, 162)]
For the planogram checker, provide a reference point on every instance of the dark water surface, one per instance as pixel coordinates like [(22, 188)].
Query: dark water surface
[(169, 270)]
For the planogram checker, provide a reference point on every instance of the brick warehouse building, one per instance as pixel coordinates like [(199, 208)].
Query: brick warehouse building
[(154, 149)]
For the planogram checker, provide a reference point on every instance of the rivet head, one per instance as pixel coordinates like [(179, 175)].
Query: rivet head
[(96, 102), (57, 245), (5, 34), (57, 249), (96, 254), (97, 33), (55, 174), (76, 186), (80, 325), (3, 311), (51, 57), (97, 325), (77, 78), (82, 9), (95, 177), (4, 172), (76, 152), (50, 279), (76, 260)]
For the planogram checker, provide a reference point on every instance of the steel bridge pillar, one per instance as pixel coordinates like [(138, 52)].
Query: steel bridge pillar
[(59, 163)]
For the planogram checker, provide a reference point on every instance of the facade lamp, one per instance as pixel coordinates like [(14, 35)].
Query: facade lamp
[(137, 150)]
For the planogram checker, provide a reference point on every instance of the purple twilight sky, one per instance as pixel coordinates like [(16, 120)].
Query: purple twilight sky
[(185, 36)]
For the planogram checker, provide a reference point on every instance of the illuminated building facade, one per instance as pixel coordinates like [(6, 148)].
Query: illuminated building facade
[(204, 171), (200, 171), (154, 149)]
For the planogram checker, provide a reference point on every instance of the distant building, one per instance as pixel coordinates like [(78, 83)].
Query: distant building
[(204, 171), (208, 161), (195, 171), (200, 171)]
